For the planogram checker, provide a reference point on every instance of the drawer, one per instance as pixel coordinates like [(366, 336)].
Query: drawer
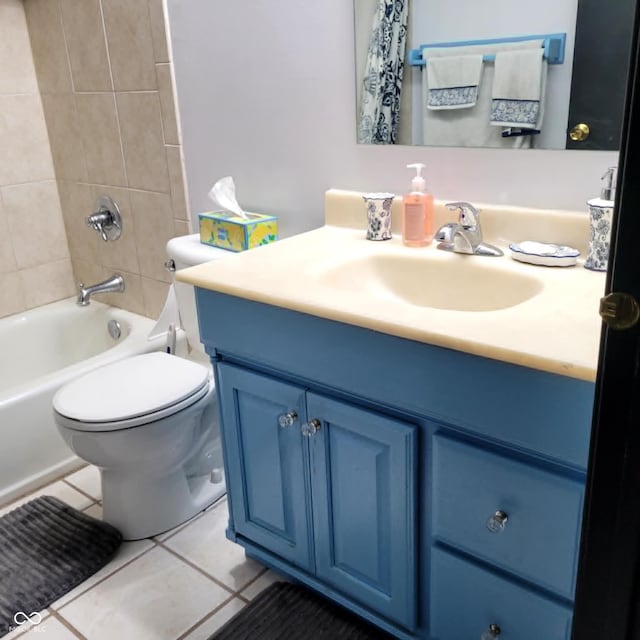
[(466, 600), (540, 538)]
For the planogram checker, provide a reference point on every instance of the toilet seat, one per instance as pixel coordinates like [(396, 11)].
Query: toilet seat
[(131, 392)]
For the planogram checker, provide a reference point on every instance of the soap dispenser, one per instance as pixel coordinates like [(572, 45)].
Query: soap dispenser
[(600, 217), (417, 211)]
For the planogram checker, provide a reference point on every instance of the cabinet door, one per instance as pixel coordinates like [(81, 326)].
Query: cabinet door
[(363, 479), (267, 478)]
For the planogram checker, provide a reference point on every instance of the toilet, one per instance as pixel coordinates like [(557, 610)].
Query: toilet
[(150, 424)]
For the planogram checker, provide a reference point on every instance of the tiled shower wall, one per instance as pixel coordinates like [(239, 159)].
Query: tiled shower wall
[(34, 256), (105, 77)]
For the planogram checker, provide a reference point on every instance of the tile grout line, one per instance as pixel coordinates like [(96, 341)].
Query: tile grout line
[(82, 491), (62, 620), (208, 616)]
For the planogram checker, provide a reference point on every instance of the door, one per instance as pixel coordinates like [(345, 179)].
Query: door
[(363, 478), (607, 595), (267, 476), (599, 74)]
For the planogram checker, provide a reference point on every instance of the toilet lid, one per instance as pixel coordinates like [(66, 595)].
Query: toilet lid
[(130, 388)]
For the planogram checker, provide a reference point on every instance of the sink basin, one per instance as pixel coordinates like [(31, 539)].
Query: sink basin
[(438, 281)]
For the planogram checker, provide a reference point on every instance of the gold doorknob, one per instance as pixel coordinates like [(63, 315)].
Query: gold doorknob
[(580, 132)]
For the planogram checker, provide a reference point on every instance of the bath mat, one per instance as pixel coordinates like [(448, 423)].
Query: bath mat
[(46, 549), (287, 611)]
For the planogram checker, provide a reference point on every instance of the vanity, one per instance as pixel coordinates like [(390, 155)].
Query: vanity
[(406, 431)]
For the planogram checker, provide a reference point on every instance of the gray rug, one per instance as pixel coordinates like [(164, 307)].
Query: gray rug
[(46, 549), (287, 611)]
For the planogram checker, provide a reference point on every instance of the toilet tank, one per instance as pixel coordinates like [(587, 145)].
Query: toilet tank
[(188, 251)]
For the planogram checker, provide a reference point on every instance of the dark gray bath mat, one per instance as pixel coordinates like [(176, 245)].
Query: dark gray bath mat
[(46, 549), (287, 611)]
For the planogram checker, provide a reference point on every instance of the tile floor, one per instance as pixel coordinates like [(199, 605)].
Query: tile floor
[(181, 585)]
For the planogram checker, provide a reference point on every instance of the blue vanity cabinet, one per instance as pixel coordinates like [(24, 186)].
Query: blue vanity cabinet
[(324, 484), (384, 495)]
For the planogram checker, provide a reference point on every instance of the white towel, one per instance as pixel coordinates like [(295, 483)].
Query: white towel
[(519, 84), (453, 80)]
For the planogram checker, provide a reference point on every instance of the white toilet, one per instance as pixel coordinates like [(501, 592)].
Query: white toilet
[(150, 423)]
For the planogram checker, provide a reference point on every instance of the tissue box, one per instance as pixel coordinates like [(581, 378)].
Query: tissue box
[(228, 231)]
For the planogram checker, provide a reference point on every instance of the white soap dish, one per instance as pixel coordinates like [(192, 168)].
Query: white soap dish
[(548, 255)]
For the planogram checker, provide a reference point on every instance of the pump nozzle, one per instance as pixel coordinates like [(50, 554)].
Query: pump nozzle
[(418, 183), (608, 190)]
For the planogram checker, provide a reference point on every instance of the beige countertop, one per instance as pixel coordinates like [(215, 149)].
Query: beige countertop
[(556, 330)]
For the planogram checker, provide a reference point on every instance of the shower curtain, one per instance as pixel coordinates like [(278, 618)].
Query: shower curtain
[(382, 82)]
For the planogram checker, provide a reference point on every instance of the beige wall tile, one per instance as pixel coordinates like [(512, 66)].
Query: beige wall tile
[(167, 104), (11, 294), (77, 203), (100, 135), (17, 74), (153, 221), (64, 136), (7, 257), (176, 178), (158, 31), (84, 32), (35, 222), (120, 254), (47, 283), (87, 272), (131, 298), (154, 294), (181, 228), (130, 45), (48, 45), (143, 146), (23, 133)]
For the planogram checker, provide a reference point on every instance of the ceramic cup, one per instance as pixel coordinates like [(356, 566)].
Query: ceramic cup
[(378, 215), (599, 238)]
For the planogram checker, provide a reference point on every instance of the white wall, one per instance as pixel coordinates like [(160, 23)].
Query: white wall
[(267, 94)]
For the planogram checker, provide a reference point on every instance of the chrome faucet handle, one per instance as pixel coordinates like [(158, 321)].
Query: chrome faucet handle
[(106, 220), (468, 215)]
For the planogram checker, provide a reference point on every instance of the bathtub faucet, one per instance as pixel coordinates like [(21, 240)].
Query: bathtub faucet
[(114, 283)]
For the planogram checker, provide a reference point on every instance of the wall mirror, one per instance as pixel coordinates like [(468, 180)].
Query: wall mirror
[(580, 100)]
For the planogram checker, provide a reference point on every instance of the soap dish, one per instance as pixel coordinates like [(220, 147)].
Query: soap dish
[(548, 255)]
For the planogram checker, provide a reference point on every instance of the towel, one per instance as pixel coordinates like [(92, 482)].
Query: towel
[(453, 81), (519, 84)]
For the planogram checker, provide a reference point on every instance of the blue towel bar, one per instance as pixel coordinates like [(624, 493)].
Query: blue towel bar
[(554, 45)]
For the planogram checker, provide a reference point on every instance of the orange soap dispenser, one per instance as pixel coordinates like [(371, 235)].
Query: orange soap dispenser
[(417, 211)]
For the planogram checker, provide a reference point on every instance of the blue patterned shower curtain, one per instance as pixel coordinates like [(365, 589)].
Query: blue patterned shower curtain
[(382, 82)]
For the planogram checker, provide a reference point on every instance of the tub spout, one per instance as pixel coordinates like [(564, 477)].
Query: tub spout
[(114, 283)]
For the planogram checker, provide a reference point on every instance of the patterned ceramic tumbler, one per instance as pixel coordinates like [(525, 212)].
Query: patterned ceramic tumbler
[(601, 214), (378, 215)]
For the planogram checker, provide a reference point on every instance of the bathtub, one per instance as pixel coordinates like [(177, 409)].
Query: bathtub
[(41, 350)]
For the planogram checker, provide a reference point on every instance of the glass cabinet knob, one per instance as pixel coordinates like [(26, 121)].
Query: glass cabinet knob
[(497, 522), (287, 419), (310, 428), (491, 633)]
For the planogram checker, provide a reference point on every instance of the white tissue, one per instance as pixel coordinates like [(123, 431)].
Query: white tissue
[(223, 196)]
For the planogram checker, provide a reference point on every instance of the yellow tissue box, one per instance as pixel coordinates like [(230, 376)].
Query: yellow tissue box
[(228, 231)]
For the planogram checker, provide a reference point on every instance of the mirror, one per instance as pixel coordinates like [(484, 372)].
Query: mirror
[(572, 112)]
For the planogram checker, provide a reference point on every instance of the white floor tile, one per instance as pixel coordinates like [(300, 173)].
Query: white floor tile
[(156, 597), (49, 629), (210, 626), (203, 542), (127, 552), (95, 511), (87, 480), (60, 490), (266, 579)]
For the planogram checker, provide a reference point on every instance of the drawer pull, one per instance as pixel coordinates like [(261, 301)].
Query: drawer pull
[(287, 419), (492, 632), (497, 522), (310, 428)]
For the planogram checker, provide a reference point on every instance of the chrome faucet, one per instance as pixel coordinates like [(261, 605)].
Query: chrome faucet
[(465, 236), (114, 283)]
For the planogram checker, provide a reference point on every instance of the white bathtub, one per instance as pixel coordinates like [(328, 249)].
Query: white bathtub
[(40, 350)]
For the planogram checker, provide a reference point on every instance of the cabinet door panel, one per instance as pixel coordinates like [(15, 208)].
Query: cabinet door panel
[(266, 472), (363, 479)]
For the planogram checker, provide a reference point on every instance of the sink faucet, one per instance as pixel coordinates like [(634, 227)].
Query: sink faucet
[(465, 236), (114, 283)]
